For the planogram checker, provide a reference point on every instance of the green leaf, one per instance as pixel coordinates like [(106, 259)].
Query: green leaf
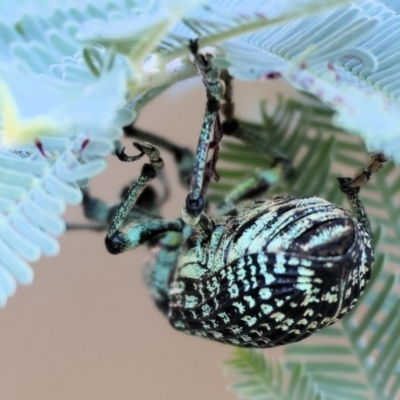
[(265, 379), (318, 349), (365, 345), (372, 311)]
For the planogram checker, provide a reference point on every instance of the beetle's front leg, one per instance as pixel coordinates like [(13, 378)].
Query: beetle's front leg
[(100, 212), (202, 169), (139, 233), (183, 156), (120, 238)]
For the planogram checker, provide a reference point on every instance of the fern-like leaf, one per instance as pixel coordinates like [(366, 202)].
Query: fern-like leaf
[(363, 351), (269, 380)]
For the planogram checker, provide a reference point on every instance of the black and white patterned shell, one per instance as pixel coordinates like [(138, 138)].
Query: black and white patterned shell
[(273, 272)]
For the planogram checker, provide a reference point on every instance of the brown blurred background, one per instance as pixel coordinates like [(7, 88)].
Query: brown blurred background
[(87, 328)]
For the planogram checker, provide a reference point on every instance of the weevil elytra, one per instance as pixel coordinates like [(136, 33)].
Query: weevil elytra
[(264, 272)]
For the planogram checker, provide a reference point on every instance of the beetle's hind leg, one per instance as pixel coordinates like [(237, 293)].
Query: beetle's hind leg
[(351, 187), (256, 185), (232, 127)]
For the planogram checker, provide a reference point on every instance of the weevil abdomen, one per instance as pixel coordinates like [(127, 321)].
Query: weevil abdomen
[(275, 271), (310, 225)]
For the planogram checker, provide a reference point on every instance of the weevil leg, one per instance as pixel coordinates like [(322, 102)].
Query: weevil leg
[(351, 188), (84, 227), (121, 237), (281, 167), (203, 168), (98, 211), (231, 127), (183, 156), (95, 209), (101, 213), (132, 224), (253, 186), (157, 273)]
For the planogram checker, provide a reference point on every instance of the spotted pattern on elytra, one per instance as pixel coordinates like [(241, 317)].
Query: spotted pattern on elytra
[(271, 274)]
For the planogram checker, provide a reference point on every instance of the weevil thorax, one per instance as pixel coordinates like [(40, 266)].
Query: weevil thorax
[(270, 272)]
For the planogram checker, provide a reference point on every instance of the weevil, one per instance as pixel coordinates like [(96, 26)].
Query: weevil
[(263, 272)]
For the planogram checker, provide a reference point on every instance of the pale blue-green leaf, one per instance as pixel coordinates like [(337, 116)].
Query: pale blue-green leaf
[(124, 32), (69, 192), (8, 176), (96, 148), (21, 245), (52, 204), (6, 205), (35, 167), (346, 57), (81, 171), (22, 272), (43, 69), (48, 245), (49, 223)]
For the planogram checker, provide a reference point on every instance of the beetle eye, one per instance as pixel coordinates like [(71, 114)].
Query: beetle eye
[(194, 206)]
